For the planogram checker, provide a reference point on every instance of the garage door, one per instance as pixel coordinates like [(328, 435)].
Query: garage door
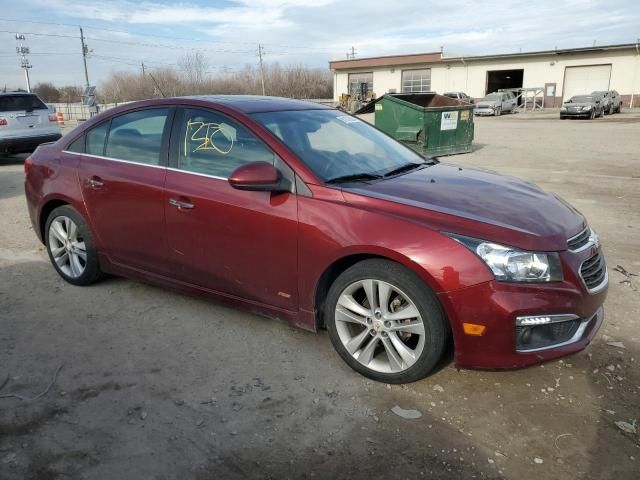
[(584, 80)]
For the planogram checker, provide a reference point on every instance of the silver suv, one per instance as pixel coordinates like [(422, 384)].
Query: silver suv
[(25, 123)]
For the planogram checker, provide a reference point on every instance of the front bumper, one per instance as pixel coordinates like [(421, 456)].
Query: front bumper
[(581, 114), (26, 144), (496, 305), (484, 111)]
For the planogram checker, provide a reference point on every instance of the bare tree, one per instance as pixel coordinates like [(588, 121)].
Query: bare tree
[(194, 66), (47, 92)]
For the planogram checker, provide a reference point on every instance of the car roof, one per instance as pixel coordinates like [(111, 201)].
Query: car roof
[(258, 103), (12, 94)]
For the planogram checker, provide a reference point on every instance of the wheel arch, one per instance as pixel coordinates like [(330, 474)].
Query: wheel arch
[(49, 205), (347, 260)]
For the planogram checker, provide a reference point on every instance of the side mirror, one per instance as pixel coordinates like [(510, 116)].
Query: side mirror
[(259, 177)]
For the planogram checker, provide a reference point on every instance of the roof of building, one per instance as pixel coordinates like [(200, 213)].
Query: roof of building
[(385, 61), (424, 58)]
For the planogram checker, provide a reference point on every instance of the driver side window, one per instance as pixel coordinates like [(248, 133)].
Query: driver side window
[(213, 144)]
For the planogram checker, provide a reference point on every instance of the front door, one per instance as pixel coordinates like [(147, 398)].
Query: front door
[(122, 175), (240, 243)]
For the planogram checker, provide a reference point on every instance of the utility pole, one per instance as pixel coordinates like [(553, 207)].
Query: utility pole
[(85, 52), (142, 63), (24, 61), (260, 54)]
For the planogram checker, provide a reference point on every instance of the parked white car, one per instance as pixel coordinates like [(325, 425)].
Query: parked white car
[(496, 104), (459, 96), (25, 123)]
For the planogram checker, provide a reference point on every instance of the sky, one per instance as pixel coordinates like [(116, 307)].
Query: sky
[(123, 33)]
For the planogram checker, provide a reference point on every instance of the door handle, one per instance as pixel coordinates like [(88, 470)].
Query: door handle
[(95, 183), (180, 204)]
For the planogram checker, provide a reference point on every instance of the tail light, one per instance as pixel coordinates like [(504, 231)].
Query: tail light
[(28, 164), (52, 117), (3, 122)]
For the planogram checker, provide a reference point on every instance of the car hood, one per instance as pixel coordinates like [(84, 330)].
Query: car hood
[(487, 103), (496, 206)]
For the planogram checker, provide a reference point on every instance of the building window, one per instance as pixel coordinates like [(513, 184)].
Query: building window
[(356, 81), (416, 81)]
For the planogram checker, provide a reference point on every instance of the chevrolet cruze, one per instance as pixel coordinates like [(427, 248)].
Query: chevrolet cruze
[(300, 211)]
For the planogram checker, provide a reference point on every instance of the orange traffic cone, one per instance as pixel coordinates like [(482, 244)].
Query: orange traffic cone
[(60, 118)]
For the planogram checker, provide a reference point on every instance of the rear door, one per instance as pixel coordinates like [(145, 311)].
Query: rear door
[(122, 175), (26, 116), (240, 243)]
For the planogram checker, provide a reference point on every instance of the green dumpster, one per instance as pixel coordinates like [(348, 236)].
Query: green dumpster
[(429, 123)]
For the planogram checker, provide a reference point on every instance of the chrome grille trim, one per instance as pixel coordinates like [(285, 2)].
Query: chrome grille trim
[(594, 273), (582, 240)]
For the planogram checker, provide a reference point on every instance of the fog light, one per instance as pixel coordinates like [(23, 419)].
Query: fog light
[(538, 332)]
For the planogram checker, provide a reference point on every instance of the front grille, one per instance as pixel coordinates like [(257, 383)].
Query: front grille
[(544, 336), (594, 271), (580, 240)]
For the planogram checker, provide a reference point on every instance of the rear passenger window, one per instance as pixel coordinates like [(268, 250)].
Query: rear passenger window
[(137, 136), (77, 146), (95, 139), (213, 144)]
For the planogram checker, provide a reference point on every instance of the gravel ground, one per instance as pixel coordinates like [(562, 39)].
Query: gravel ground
[(156, 384)]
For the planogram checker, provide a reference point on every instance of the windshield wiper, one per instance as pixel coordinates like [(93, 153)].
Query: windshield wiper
[(353, 177), (404, 168)]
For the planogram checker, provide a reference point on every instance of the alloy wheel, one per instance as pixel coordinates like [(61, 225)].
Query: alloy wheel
[(380, 326), (67, 247)]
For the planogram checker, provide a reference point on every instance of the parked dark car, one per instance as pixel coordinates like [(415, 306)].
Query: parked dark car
[(303, 212), (25, 123), (612, 102), (582, 106)]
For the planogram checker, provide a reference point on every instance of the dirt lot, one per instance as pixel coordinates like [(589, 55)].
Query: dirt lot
[(156, 384)]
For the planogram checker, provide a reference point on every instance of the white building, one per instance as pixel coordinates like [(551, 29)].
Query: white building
[(558, 73)]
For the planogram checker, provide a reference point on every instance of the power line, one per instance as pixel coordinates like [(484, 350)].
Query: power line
[(169, 37)]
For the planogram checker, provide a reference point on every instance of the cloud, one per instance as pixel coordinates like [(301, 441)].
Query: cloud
[(313, 32)]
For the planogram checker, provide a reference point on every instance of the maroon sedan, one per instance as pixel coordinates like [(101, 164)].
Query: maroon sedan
[(299, 211)]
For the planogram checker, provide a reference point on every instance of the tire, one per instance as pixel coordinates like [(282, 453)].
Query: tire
[(80, 266), (592, 115), (498, 111), (419, 324)]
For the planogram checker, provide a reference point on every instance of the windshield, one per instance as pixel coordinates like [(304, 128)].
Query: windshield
[(16, 103), (336, 145), (582, 99)]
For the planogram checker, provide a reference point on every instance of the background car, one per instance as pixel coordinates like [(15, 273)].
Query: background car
[(25, 123), (459, 96), (496, 104), (582, 106), (612, 103)]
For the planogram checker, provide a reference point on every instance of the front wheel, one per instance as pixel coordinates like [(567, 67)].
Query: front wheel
[(385, 322), (70, 246), (498, 112)]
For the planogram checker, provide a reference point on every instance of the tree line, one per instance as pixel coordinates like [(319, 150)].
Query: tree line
[(192, 78)]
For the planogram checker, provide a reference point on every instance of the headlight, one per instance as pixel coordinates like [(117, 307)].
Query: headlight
[(512, 265), (588, 107), (563, 109)]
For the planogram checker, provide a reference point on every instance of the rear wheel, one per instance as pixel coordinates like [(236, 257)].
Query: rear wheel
[(385, 322), (70, 246)]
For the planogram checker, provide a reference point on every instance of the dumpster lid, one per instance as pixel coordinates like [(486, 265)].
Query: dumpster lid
[(423, 100)]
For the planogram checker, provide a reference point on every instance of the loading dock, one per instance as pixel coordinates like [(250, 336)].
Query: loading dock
[(504, 79)]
